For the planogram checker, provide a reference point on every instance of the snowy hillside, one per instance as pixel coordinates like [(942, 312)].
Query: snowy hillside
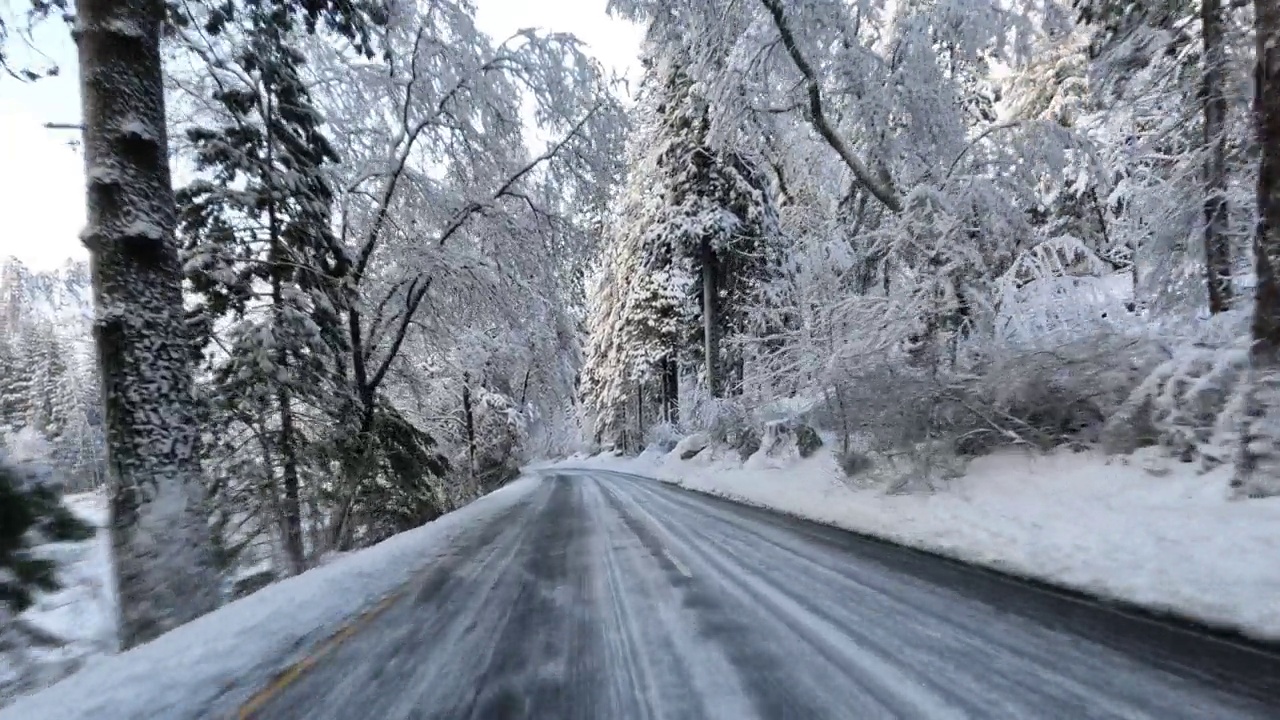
[(63, 296)]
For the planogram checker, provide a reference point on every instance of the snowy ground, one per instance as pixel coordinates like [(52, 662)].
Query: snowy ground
[(207, 667), (1136, 528), (83, 612)]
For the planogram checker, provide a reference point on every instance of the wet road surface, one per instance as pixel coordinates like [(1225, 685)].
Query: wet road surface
[(607, 596)]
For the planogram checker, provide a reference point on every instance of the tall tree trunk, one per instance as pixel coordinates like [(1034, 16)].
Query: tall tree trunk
[(164, 558), (711, 347), (1217, 249), (469, 418), (671, 388), (291, 507), (640, 412), (1258, 466)]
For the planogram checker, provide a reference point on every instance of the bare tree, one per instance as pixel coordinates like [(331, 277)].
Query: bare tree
[(163, 557)]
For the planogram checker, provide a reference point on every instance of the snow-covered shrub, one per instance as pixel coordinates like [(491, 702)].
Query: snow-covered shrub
[(1184, 404), (807, 440), (748, 443), (782, 439), (1040, 394), (690, 446), (1258, 465), (662, 437), (501, 433), (1051, 393)]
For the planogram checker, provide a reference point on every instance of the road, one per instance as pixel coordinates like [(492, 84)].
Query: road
[(606, 596)]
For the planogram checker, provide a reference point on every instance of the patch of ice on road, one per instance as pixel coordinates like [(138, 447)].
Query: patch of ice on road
[(1105, 525), (204, 667)]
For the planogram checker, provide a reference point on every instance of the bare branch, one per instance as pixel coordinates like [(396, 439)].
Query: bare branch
[(882, 191)]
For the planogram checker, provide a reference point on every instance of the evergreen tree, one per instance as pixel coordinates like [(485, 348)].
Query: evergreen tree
[(697, 242), (31, 513), (260, 218)]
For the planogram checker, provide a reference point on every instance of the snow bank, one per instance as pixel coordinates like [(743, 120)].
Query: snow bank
[(1136, 528), (206, 667)]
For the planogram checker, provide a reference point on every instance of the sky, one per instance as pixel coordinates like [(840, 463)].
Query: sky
[(42, 175)]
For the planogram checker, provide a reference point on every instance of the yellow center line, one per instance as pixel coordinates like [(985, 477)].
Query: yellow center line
[(290, 674)]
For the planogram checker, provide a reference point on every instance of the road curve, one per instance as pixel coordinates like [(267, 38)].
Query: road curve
[(607, 596)]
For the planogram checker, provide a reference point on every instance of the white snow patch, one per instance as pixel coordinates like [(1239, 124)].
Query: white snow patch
[(208, 666), (1175, 542)]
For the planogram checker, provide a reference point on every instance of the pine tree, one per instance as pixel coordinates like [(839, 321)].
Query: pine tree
[(694, 243), (13, 386), (718, 222), (260, 218), (31, 513)]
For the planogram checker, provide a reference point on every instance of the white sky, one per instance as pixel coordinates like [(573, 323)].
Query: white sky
[(42, 177)]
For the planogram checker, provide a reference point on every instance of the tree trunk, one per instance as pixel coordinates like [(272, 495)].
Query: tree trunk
[(1266, 317), (640, 411), (291, 509), (164, 558), (469, 417), (671, 388), (711, 355), (1258, 466), (1217, 249)]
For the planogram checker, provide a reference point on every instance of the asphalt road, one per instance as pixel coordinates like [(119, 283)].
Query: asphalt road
[(605, 596)]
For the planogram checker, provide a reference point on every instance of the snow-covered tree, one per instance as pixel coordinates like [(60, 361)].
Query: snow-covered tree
[(1259, 462), (694, 238), (262, 255), (163, 559)]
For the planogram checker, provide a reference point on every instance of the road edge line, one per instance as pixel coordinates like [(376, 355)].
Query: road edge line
[(297, 669)]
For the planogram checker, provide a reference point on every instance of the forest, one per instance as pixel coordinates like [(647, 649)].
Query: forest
[(355, 262)]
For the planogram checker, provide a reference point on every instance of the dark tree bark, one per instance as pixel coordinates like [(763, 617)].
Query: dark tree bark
[(640, 411), (670, 388), (291, 506), (470, 421), (710, 340), (1258, 467), (1217, 249), (1266, 239), (163, 553)]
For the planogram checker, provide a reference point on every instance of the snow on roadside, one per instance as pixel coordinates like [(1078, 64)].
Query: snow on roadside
[(204, 668), (1134, 528)]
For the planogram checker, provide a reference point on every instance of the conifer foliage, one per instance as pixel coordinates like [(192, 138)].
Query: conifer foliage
[(262, 256), (695, 241)]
